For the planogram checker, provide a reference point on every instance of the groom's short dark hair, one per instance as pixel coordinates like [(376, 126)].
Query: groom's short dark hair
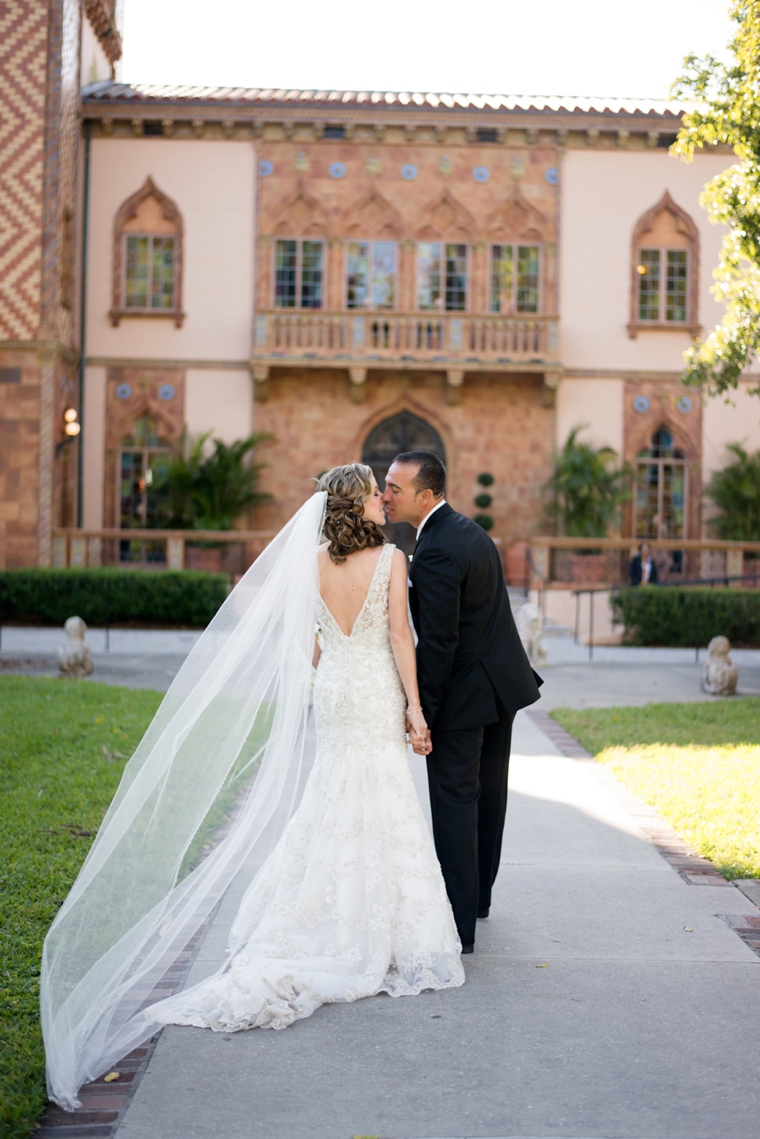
[(431, 474)]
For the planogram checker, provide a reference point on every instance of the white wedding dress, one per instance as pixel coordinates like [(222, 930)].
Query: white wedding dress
[(351, 902)]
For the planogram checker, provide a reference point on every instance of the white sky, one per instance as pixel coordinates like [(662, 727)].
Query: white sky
[(616, 48)]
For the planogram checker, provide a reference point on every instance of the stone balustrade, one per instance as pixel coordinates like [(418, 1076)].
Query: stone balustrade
[(400, 338)]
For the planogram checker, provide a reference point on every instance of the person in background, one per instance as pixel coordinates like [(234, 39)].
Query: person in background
[(642, 570)]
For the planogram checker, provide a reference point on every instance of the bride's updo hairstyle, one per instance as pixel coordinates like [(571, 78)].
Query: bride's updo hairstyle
[(346, 528)]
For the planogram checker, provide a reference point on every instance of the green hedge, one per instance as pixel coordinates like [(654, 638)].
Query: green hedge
[(657, 615), (98, 596)]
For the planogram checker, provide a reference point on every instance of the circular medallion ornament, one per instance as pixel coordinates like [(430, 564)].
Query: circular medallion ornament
[(481, 173), (166, 393), (123, 391), (337, 170), (552, 175), (265, 168), (641, 404), (684, 404), (409, 172)]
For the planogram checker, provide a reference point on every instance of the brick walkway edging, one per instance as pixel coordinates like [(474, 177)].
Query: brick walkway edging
[(691, 866)]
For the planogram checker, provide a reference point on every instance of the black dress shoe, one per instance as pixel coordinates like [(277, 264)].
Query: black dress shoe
[(484, 913), (468, 949)]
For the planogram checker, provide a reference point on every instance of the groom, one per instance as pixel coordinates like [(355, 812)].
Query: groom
[(473, 676)]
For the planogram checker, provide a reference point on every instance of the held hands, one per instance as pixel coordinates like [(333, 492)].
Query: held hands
[(419, 733)]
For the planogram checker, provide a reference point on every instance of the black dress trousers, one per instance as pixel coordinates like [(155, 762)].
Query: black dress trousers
[(467, 776)]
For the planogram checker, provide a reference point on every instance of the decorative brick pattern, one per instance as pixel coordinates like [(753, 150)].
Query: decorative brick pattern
[(500, 426), (694, 869), (23, 54)]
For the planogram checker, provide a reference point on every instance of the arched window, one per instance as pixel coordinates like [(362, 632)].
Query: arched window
[(147, 276), (143, 499), (664, 270), (518, 232), (402, 432), (661, 488)]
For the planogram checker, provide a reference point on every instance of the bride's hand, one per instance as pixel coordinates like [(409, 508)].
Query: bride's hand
[(419, 734)]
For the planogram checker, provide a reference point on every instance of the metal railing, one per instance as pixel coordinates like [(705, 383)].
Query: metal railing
[(752, 580)]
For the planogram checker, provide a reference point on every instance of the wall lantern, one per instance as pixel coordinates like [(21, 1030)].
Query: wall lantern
[(72, 427)]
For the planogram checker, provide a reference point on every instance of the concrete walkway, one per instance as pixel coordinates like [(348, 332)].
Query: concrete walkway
[(606, 997), (151, 659)]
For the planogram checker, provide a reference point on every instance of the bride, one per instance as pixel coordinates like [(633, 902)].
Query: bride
[(346, 897)]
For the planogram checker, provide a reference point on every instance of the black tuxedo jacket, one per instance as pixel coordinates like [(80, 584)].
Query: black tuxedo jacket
[(469, 654)]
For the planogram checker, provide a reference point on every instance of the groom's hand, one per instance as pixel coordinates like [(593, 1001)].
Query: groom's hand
[(422, 746)]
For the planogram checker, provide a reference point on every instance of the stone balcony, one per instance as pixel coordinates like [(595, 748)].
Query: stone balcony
[(452, 342)]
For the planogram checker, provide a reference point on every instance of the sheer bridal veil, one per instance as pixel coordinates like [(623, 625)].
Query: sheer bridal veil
[(231, 732)]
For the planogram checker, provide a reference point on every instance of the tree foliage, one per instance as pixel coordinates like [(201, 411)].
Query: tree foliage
[(586, 489), (209, 492), (736, 492), (728, 111)]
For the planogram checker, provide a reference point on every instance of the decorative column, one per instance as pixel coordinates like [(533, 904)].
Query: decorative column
[(334, 294), (406, 275), (479, 279)]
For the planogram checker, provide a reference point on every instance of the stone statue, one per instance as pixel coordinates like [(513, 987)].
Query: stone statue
[(719, 676), (74, 657), (529, 625)]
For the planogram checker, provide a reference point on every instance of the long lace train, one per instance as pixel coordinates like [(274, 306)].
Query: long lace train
[(351, 902)]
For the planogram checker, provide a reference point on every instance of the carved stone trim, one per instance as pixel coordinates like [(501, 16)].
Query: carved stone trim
[(103, 23), (685, 226), (126, 212)]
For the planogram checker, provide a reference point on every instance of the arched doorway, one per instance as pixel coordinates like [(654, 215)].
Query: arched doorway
[(661, 497), (661, 488), (402, 432)]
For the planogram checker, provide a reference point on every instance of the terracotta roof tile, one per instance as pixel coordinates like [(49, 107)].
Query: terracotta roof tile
[(152, 93)]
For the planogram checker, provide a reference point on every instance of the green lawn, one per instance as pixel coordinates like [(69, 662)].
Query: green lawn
[(63, 745), (698, 765)]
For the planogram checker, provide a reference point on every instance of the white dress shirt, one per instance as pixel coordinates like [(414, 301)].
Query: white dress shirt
[(437, 506)]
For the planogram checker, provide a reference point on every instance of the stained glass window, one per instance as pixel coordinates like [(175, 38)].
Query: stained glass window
[(149, 281), (648, 270), (429, 275), (661, 489), (441, 265), (456, 278), (677, 277), (527, 278), (285, 262), (501, 278), (298, 274), (515, 287), (371, 274), (671, 304)]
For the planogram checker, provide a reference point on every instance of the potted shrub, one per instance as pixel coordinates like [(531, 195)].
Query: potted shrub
[(586, 489), (211, 492)]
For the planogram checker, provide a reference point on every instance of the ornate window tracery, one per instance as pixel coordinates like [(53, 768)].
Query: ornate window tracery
[(148, 257), (661, 488), (664, 270)]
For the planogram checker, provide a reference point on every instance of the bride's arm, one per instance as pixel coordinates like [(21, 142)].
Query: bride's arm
[(402, 644)]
